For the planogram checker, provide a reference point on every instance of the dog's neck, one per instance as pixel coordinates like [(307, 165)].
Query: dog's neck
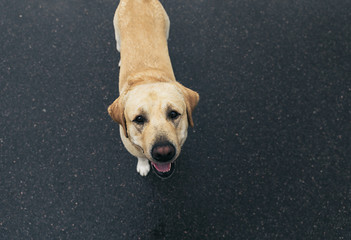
[(146, 77)]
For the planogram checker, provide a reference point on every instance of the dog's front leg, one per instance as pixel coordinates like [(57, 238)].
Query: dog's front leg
[(143, 166)]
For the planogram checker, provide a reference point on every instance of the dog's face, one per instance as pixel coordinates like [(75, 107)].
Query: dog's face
[(155, 119)]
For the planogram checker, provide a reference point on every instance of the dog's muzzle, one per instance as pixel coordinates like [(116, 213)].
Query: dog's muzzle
[(163, 154)]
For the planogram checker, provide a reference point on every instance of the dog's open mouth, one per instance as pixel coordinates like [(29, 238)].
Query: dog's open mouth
[(162, 167), (163, 170)]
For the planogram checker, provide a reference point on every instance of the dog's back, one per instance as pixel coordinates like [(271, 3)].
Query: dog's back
[(142, 27)]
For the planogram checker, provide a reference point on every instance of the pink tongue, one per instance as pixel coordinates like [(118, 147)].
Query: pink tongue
[(162, 167)]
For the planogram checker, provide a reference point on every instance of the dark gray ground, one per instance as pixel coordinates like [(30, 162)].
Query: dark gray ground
[(269, 157)]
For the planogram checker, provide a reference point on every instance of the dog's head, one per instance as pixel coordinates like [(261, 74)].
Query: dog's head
[(155, 119)]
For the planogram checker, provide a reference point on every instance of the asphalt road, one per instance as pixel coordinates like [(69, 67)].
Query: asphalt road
[(269, 157)]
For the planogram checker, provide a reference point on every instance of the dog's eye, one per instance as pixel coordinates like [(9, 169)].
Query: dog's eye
[(173, 115), (139, 120)]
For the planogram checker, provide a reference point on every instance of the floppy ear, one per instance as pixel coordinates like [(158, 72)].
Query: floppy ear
[(191, 99), (116, 111)]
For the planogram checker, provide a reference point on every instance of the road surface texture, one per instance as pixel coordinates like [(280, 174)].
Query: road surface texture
[(269, 157)]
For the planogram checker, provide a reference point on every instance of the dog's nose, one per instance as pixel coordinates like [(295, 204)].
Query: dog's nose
[(163, 152)]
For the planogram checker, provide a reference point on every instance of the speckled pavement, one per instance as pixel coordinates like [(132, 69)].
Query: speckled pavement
[(269, 157)]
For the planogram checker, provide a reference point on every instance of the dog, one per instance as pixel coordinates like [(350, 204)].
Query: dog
[(153, 110)]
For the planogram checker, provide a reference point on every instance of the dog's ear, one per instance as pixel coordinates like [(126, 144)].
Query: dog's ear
[(116, 111), (191, 99)]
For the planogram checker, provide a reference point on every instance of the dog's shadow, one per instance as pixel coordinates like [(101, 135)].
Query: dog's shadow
[(168, 206)]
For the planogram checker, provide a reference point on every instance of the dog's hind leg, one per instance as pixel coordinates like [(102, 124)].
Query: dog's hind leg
[(168, 24), (117, 35), (143, 166)]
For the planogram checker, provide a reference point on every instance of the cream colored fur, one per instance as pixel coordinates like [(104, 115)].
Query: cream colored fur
[(147, 84)]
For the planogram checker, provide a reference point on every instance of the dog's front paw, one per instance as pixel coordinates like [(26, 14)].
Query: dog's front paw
[(143, 166)]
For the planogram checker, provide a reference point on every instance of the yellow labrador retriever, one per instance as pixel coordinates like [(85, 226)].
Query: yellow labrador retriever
[(153, 109)]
